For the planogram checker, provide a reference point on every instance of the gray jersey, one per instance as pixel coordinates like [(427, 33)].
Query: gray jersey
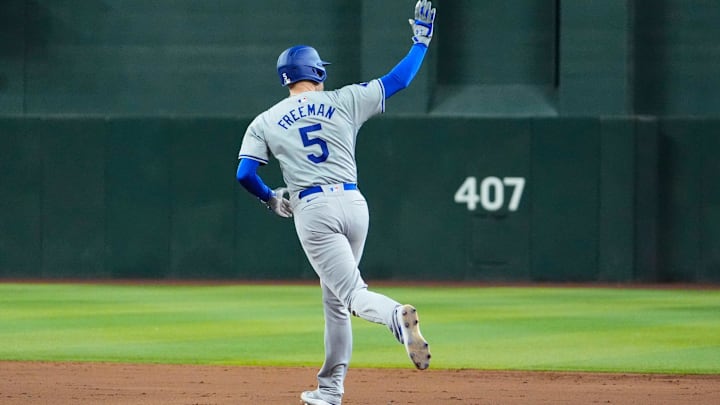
[(313, 134)]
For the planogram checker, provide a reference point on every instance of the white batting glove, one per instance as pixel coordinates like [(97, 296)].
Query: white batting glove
[(279, 204), (422, 25)]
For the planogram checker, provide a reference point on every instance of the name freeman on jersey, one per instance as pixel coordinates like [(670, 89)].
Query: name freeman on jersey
[(310, 110)]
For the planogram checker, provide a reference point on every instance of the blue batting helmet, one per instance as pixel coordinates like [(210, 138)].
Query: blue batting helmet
[(301, 62)]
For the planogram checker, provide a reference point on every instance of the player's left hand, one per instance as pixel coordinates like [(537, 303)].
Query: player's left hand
[(422, 25), (279, 204)]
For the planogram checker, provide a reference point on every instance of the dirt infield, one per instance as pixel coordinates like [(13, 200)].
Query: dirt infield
[(101, 383)]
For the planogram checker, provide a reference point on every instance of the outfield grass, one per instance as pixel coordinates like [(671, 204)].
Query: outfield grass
[(526, 328)]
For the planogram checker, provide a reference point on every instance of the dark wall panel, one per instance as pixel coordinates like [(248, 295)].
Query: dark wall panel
[(73, 196), (595, 69), (202, 198), (497, 42), (689, 200), (12, 56), (565, 181), (710, 268), (677, 57), (616, 219), (495, 59), (138, 196), (21, 200)]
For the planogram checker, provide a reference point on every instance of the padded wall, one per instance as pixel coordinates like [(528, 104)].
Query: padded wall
[(157, 198), (677, 57)]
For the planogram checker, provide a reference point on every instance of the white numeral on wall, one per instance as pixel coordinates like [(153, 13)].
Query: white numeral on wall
[(492, 193)]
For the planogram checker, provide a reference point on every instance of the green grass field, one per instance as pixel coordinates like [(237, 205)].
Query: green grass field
[(499, 328)]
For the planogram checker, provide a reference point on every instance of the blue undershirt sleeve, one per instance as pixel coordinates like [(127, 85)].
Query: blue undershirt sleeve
[(248, 178), (404, 72)]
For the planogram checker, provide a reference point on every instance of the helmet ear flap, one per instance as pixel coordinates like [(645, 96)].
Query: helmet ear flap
[(320, 74)]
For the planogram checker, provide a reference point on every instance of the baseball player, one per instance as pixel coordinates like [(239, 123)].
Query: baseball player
[(312, 134)]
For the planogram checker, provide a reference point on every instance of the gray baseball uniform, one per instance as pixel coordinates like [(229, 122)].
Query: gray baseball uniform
[(312, 134), (313, 137)]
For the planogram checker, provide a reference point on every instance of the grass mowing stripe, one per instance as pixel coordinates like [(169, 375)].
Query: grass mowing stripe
[(580, 329)]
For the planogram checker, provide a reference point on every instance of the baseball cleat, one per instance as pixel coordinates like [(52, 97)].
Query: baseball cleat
[(312, 398), (415, 344)]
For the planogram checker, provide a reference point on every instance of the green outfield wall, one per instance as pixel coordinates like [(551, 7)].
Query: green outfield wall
[(488, 58), (541, 199), (542, 140)]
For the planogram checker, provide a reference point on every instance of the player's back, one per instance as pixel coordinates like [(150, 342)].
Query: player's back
[(313, 134)]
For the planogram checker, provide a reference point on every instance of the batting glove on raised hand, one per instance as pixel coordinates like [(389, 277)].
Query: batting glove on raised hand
[(279, 204), (422, 25)]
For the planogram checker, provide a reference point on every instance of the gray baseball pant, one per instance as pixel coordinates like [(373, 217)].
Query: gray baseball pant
[(332, 228)]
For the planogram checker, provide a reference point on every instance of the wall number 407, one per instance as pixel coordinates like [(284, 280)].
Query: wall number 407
[(492, 193)]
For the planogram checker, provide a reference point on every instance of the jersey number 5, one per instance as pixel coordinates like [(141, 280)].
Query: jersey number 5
[(307, 141)]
